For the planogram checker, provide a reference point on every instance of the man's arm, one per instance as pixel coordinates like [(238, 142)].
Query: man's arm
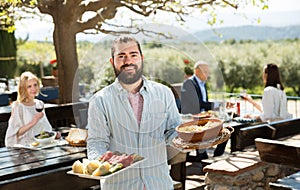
[(174, 118), (207, 105), (98, 130)]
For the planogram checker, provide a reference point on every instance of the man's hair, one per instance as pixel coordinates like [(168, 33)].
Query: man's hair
[(124, 39), (198, 63)]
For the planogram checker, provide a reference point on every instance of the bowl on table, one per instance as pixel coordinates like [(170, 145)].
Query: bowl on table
[(45, 137), (205, 114), (200, 130)]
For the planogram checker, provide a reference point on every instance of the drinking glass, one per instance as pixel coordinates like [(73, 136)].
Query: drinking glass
[(243, 93), (39, 106), (231, 107)]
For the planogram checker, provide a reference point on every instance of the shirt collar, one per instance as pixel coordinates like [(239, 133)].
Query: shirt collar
[(200, 82), (121, 89)]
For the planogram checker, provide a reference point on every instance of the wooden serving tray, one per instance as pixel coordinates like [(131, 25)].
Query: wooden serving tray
[(223, 136)]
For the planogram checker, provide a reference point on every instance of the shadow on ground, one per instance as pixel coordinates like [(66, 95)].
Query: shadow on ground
[(195, 176)]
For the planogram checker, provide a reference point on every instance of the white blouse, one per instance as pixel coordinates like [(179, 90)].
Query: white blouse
[(274, 104), (22, 115)]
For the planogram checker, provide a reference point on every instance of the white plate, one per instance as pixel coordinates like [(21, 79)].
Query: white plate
[(58, 142), (106, 176)]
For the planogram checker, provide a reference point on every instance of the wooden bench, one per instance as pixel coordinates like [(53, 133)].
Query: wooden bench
[(4, 117), (286, 152), (279, 152), (245, 136)]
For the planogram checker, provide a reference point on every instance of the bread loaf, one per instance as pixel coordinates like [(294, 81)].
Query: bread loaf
[(78, 167), (103, 169), (77, 137)]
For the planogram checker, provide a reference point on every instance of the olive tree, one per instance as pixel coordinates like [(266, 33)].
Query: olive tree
[(71, 17), (291, 72), (240, 75)]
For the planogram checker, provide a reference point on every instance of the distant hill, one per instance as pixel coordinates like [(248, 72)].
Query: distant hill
[(259, 33)]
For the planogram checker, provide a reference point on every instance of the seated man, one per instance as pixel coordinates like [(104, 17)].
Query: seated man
[(194, 99)]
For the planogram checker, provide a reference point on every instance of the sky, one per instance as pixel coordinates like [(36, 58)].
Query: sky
[(280, 13)]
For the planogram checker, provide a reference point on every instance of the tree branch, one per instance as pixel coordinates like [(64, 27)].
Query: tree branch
[(104, 9), (211, 2), (107, 10), (122, 29), (231, 4), (96, 5), (47, 6)]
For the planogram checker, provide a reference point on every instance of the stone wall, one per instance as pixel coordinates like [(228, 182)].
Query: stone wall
[(244, 171)]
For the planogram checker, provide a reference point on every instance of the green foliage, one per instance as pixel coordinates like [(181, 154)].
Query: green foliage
[(11, 11), (240, 75), (154, 45), (107, 78), (164, 63), (68, 25), (240, 64), (188, 70), (30, 67), (31, 54), (290, 71)]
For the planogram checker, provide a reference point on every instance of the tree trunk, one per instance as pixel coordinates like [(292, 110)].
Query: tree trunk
[(8, 54), (67, 62)]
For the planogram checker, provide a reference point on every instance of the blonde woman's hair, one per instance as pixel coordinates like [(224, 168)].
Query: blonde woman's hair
[(22, 87)]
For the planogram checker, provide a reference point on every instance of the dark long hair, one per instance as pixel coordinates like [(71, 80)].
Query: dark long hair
[(273, 76)]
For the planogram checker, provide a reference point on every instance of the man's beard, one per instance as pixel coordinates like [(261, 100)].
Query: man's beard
[(129, 78)]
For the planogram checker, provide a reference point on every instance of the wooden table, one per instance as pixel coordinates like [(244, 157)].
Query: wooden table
[(237, 141), (282, 151), (244, 134), (24, 169)]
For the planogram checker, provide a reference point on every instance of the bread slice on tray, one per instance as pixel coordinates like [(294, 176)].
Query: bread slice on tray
[(77, 137)]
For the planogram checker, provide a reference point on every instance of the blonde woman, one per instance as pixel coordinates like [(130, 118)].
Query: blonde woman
[(25, 121)]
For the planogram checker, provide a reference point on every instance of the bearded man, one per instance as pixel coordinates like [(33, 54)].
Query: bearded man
[(133, 115)]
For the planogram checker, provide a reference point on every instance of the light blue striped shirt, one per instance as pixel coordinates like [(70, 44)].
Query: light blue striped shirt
[(112, 125)]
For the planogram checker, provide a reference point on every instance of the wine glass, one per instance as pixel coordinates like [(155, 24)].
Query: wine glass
[(39, 106), (243, 93), (231, 107)]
